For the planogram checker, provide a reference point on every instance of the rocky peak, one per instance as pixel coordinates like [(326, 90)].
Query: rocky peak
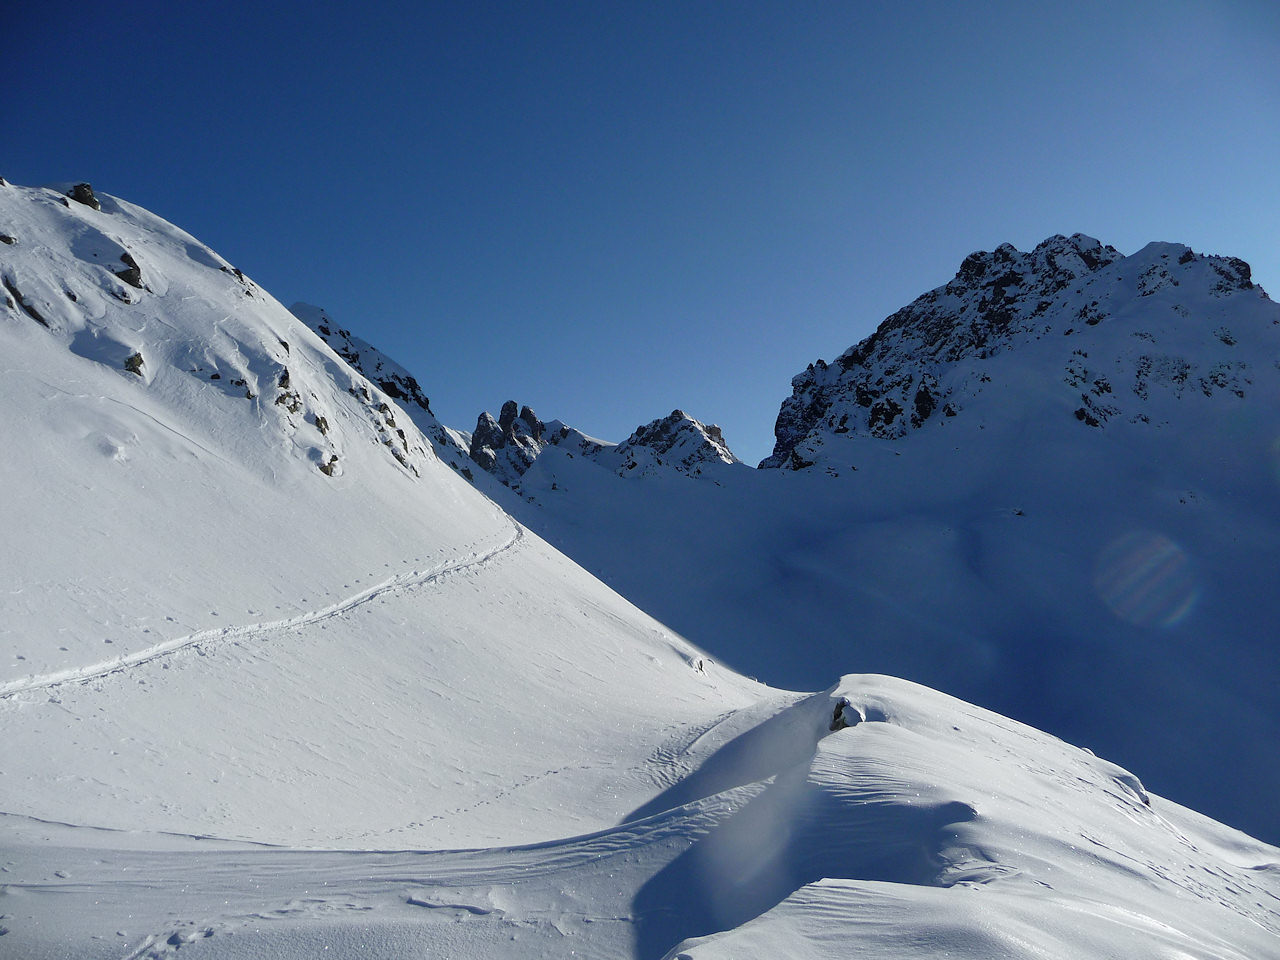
[(676, 442), (507, 446), (933, 357)]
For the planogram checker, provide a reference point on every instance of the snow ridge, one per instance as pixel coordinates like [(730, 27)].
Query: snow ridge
[(393, 379)]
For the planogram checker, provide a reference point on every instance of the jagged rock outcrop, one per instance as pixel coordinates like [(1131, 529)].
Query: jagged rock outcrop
[(508, 446), (83, 193), (393, 379), (676, 442), (933, 358)]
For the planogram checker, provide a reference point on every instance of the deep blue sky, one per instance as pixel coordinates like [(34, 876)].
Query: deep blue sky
[(609, 210)]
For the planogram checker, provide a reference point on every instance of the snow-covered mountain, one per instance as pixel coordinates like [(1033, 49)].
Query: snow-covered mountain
[(1126, 336), (269, 666), (1048, 486), (673, 445), (240, 616)]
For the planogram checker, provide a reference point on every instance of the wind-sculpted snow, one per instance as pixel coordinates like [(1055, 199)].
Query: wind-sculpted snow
[(922, 827), (1094, 580)]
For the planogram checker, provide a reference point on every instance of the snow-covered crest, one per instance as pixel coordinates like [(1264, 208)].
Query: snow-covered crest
[(151, 305), (1105, 330), (676, 445)]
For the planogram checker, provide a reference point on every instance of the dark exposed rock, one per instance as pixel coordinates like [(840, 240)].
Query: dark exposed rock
[(1085, 416), (131, 274), (507, 415), (882, 415), (83, 193), (530, 420), (27, 307), (1235, 274), (508, 446), (391, 379), (845, 715), (486, 439), (133, 364), (5, 238), (998, 301), (676, 442), (290, 400)]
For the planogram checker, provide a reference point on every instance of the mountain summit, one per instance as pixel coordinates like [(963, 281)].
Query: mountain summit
[(1108, 337), (676, 444)]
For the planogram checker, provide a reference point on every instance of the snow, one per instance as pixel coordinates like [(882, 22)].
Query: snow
[(256, 708), (1107, 584), (930, 828)]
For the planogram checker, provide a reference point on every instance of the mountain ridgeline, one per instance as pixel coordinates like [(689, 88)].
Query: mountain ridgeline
[(675, 444), (1114, 332)]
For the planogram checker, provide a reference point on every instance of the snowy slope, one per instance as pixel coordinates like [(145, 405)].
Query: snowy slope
[(205, 632), (1093, 573), (252, 707)]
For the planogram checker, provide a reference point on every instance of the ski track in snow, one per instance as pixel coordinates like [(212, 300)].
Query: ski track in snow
[(253, 631)]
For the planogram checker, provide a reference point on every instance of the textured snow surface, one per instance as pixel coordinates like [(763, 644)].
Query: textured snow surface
[(252, 707), (924, 827)]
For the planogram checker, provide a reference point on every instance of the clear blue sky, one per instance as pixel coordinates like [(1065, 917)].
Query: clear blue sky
[(610, 210)]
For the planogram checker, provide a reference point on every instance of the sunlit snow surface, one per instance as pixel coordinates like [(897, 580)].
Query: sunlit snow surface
[(357, 714)]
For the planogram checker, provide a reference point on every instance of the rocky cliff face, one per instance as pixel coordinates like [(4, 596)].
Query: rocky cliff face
[(1105, 330), (394, 381), (508, 446), (677, 443)]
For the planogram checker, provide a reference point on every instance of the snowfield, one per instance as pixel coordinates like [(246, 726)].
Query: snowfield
[(276, 680), (1109, 582)]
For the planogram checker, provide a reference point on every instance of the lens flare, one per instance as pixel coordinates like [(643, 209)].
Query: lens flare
[(1146, 579)]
